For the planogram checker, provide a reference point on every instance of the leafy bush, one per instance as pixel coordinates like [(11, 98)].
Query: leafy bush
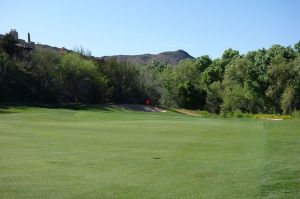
[(238, 114), (270, 116), (296, 114)]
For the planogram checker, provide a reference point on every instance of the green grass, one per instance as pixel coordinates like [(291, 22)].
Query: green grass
[(108, 153)]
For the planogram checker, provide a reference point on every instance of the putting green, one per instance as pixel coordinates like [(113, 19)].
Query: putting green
[(109, 153)]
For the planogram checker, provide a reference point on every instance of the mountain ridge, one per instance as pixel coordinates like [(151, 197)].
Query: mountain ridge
[(169, 57)]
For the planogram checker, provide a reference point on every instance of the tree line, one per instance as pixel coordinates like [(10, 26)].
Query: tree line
[(261, 81)]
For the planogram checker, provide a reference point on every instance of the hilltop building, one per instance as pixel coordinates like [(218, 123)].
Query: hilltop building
[(29, 45)]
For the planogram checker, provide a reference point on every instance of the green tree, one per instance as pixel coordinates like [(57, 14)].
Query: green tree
[(213, 73), (297, 46), (8, 44), (214, 97), (235, 92), (151, 83), (288, 100), (280, 51), (280, 74), (230, 55), (202, 63), (123, 81), (81, 80), (190, 97), (4, 62), (47, 74)]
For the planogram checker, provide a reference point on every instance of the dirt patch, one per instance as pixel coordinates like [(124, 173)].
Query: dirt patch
[(274, 119), (136, 107), (186, 112)]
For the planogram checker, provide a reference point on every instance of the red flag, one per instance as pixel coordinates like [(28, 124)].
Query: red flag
[(147, 102)]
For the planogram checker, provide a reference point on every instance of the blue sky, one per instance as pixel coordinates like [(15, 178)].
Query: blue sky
[(139, 26)]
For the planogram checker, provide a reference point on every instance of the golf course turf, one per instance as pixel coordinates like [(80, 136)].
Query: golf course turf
[(113, 153)]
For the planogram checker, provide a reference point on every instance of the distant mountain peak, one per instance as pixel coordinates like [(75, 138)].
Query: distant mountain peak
[(181, 51)]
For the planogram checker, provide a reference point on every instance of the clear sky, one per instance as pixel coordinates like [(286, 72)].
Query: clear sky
[(109, 27)]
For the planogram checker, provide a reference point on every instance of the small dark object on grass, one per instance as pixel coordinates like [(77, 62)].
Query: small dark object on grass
[(156, 158)]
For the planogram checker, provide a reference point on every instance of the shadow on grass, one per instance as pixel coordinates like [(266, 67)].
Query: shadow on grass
[(4, 108), (6, 111)]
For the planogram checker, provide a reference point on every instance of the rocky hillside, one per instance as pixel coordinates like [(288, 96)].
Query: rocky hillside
[(170, 57), (47, 47)]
